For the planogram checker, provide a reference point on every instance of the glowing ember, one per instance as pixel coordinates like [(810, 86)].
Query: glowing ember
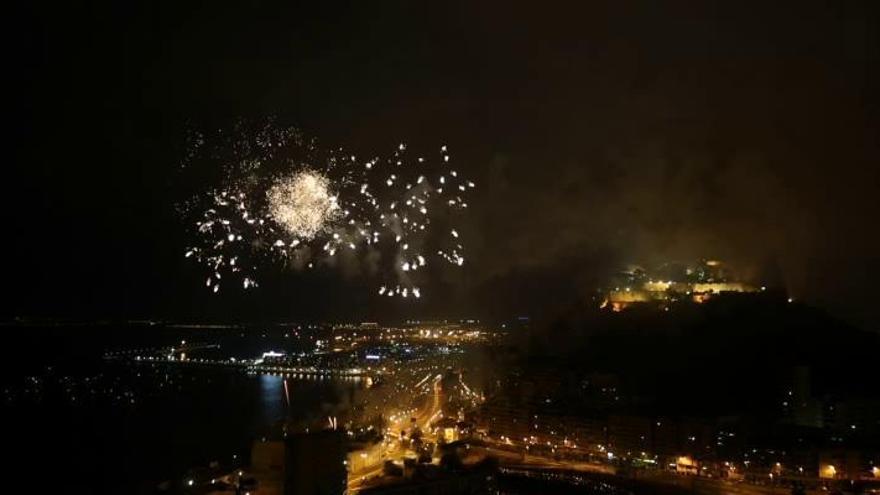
[(271, 211), (302, 204)]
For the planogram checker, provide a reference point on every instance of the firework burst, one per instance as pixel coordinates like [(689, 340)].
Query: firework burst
[(303, 204), (281, 201)]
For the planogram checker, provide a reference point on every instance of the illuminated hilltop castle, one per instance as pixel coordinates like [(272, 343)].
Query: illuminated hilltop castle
[(673, 282)]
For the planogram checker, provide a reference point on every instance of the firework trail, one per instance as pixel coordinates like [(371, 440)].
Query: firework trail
[(280, 201)]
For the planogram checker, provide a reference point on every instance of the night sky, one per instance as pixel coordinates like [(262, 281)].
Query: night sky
[(598, 135)]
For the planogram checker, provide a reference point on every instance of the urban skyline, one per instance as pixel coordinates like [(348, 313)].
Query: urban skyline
[(610, 247)]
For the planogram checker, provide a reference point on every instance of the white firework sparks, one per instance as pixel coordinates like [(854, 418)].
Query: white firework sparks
[(303, 204), (284, 202)]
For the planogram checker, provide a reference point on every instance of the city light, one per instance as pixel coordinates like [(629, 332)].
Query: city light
[(258, 229)]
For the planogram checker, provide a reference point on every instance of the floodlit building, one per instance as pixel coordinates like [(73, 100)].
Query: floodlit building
[(673, 282)]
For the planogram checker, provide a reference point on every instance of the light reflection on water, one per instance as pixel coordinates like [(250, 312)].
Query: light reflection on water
[(120, 427), (173, 418), (271, 399)]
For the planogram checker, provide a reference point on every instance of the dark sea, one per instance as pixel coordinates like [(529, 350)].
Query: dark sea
[(77, 423)]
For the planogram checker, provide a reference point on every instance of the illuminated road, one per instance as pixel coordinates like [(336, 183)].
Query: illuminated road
[(390, 448), (432, 413), (514, 459)]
